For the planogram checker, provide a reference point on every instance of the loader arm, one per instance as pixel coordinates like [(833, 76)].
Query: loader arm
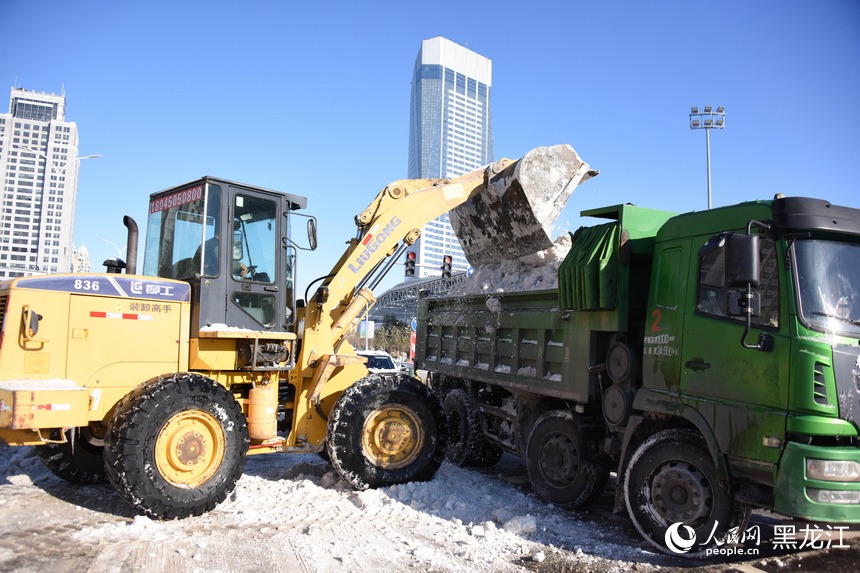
[(393, 219), (501, 210)]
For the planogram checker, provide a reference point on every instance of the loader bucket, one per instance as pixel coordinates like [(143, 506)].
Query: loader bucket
[(514, 215)]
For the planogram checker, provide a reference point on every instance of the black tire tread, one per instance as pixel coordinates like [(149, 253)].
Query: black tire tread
[(346, 421), (726, 510), (73, 461), (131, 436), (591, 475), (462, 426)]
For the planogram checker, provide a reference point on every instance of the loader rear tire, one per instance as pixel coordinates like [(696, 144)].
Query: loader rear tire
[(387, 429), (79, 459), (176, 446)]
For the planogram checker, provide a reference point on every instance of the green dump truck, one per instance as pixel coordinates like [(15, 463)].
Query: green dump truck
[(711, 359)]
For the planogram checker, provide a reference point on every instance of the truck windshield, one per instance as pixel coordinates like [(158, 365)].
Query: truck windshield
[(828, 274)]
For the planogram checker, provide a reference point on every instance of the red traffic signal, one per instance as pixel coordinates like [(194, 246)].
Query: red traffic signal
[(410, 263), (446, 265)]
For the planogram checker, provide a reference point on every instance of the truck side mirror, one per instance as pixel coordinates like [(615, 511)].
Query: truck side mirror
[(312, 234), (742, 260)]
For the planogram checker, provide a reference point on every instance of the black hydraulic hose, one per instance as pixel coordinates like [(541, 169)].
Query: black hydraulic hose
[(307, 290)]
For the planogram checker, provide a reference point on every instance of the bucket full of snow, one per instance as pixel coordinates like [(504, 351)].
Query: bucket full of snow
[(514, 215)]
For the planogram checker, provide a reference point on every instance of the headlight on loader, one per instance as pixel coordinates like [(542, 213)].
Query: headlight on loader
[(31, 320)]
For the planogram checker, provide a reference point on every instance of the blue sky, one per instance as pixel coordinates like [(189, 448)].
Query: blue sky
[(312, 98)]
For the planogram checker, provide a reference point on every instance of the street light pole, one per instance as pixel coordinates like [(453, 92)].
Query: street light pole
[(54, 167), (60, 171), (708, 119)]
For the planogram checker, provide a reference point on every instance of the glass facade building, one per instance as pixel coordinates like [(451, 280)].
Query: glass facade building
[(450, 133), (39, 164)]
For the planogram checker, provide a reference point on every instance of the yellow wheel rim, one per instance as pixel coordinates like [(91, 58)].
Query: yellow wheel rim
[(189, 449), (392, 437)]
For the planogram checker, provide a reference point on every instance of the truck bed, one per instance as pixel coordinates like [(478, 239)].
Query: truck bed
[(515, 340)]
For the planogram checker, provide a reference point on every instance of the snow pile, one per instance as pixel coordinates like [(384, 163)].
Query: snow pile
[(21, 466), (536, 271), (462, 520), (294, 511)]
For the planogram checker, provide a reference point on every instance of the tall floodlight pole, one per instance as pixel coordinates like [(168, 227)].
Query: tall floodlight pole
[(708, 119)]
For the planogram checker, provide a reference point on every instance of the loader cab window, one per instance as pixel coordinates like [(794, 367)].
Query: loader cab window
[(182, 233), (254, 251), (713, 294), (255, 239)]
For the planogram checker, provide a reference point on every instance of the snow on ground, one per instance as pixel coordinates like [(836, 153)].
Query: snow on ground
[(293, 513)]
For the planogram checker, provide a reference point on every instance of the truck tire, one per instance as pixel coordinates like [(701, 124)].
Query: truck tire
[(387, 429), (671, 480), (487, 455), (79, 459), (176, 446), (463, 431), (563, 467)]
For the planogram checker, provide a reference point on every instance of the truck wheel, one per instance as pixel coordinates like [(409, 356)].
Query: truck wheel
[(463, 438), (671, 480), (563, 468), (386, 429), (176, 446), (487, 455), (80, 459)]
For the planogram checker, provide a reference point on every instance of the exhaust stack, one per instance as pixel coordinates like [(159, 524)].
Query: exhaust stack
[(131, 245)]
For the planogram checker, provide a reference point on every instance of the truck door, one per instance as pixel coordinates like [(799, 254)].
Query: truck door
[(742, 393)]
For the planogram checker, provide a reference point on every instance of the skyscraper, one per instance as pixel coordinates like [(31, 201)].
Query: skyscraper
[(39, 163), (450, 133)]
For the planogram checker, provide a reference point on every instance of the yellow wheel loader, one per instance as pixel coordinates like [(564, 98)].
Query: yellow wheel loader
[(163, 381)]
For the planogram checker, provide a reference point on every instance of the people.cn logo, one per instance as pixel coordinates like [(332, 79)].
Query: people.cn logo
[(678, 543)]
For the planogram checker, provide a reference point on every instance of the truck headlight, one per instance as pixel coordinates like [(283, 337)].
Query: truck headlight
[(832, 470), (833, 496)]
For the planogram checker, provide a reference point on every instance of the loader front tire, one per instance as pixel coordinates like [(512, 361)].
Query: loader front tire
[(176, 446), (77, 460), (386, 429)]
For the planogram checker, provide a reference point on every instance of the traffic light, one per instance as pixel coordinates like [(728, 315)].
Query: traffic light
[(446, 266), (410, 264)]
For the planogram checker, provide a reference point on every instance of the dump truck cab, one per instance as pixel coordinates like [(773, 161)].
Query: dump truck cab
[(712, 356), (752, 339), (232, 243)]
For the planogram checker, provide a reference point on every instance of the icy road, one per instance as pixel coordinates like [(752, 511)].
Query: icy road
[(292, 513)]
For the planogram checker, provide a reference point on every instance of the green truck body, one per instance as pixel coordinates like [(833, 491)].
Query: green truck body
[(711, 359)]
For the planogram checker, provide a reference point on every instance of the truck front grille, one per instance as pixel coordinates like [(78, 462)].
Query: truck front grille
[(3, 299)]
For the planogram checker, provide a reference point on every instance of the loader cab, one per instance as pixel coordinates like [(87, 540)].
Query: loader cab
[(232, 243)]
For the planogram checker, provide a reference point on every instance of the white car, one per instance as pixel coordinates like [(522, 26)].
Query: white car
[(378, 362)]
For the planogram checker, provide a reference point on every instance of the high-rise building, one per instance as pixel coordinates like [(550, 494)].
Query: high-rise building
[(39, 164), (450, 133), (81, 260)]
